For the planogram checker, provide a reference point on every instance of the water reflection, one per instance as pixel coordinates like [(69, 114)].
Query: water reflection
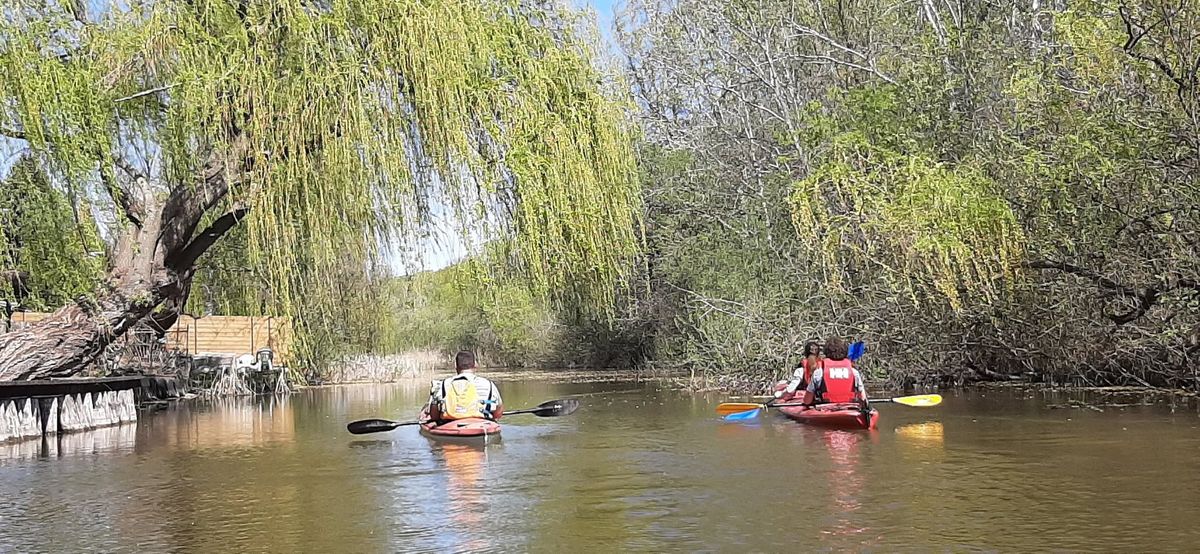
[(105, 440), (929, 432), (846, 482), (218, 424), (465, 492), (224, 423), (921, 444)]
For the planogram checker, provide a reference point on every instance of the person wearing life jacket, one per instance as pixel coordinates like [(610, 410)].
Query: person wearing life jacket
[(788, 391), (464, 395), (836, 380)]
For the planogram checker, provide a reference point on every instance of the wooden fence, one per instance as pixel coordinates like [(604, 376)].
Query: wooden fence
[(213, 334), (231, 335), (21, 319)]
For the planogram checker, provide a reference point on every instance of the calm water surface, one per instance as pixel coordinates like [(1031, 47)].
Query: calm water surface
[(639, 468)]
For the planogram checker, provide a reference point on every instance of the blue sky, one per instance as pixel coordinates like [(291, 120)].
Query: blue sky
[(604, 13)]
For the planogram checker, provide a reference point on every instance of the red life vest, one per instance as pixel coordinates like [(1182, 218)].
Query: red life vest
[(837, 380), (807, 370)]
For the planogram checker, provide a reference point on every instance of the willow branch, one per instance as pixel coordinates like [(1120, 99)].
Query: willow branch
[(146, 93)]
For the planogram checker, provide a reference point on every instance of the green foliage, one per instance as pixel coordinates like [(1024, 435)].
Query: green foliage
[(1025, 178), (930, 227), (452, 309), (339, 125), (60, 259), (226, 283)]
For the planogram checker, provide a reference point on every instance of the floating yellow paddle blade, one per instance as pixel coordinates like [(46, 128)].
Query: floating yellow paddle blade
[(920, 401), (727, 408)]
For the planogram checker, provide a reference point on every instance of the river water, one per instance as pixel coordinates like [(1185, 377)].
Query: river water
[(640, 467)]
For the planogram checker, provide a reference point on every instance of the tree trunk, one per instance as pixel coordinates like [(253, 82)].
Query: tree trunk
[(161, 320), (18, 282), (153, 262), (68, 341)]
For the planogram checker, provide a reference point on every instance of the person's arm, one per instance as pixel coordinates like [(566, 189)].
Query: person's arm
[(810, 393), (497, 403), (435, 401), (861, 384)]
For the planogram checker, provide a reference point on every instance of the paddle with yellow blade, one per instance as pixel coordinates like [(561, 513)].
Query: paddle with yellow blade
[(918, 401)]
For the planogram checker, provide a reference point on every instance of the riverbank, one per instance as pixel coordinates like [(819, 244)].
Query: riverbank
[(747, 384), (390, 368), (376, 368)]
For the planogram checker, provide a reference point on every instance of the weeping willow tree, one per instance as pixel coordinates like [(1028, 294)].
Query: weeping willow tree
[(320, 129), (876, 204)]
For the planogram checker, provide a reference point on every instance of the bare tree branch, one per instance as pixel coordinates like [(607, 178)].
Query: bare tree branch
[(199, 245), (125, 197), (1088, 274), (220, 172), (128, 168), (1145, 299), (1134, 37)]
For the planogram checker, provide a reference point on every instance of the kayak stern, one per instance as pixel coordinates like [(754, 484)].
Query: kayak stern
[(835, 416), (467, 428)]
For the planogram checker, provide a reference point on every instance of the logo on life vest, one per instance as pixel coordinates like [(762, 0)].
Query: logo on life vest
[(839, 373)]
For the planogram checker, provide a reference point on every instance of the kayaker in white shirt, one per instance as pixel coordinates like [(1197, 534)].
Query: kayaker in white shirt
[(465, 394), (788, 391)]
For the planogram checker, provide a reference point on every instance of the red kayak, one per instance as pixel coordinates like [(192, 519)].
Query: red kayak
[(837, 416), (467, 428)]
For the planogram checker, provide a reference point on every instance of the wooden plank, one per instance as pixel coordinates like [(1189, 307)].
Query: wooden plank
[(59, 387)]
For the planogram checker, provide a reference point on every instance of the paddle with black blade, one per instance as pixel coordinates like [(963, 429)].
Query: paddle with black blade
[(551, 408)]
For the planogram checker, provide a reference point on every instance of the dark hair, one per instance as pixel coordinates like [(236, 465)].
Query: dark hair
[(808, 346), (835, 348), (465, 359)]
